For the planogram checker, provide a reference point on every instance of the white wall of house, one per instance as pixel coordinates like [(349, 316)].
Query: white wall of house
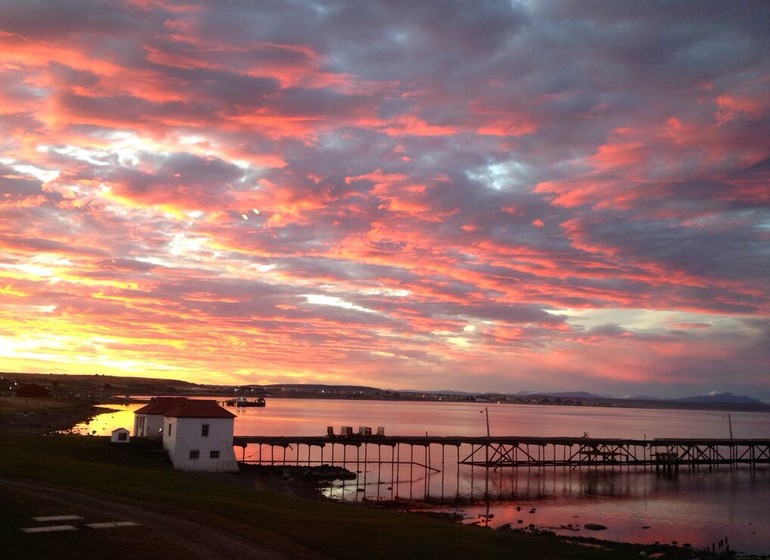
[(148, 425), (194, 447)]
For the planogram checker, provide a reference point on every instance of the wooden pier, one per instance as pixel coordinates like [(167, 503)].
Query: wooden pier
[(534, 452), (471, 468)]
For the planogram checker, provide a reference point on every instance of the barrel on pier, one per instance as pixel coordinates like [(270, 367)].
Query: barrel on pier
[(667, 461)]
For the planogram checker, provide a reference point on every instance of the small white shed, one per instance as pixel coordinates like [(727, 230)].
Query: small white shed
[(120, 435)]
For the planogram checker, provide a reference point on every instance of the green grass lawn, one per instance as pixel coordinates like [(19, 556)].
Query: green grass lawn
[(138, 473)]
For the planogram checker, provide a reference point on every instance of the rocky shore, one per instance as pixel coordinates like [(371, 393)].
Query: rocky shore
[(43, 416)]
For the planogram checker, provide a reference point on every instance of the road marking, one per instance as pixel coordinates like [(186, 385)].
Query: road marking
[(112, 524), (50, 529)]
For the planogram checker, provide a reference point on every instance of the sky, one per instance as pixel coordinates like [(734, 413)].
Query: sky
[(436, 195)]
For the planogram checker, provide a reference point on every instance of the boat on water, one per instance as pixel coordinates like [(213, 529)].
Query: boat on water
[(243, 402)]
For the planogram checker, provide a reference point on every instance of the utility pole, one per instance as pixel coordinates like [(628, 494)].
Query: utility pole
[(486, 467)]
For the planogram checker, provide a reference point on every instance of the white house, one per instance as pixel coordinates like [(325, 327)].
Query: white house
[(198, 436), (148, 420)]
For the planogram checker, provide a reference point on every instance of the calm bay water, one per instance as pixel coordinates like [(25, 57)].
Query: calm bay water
[(696, 507)]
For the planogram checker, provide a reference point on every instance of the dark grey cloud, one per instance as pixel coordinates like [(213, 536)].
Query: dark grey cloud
[(36, 19)]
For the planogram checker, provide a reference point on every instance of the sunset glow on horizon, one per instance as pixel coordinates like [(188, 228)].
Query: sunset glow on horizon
[(473, 196)]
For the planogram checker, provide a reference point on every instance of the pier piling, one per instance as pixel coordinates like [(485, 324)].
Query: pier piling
[(493, 454)]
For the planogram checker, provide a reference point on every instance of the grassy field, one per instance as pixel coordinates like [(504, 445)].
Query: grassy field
[(139, 474)]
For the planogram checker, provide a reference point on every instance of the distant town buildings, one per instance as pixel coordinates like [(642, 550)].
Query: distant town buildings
[(32, 391)]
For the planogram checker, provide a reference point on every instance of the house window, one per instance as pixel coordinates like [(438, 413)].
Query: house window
[(214, 455), (204, 430), (195, 454), (122, 436), (169, 429)]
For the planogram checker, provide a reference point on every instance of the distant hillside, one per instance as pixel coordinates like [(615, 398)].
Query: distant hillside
[(319, 387), (95, 386), (103, 387), (578, 395)]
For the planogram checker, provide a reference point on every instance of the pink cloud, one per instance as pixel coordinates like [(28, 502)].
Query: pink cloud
[(177, 179)]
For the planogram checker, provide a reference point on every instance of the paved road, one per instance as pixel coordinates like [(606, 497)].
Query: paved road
[(198, 540)]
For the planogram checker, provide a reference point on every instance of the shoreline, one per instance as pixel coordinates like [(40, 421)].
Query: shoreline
[(48, 416), (44, 415)]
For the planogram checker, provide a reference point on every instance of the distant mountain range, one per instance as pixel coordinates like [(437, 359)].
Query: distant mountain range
[(720, 397), (101, 387), (714, 397)]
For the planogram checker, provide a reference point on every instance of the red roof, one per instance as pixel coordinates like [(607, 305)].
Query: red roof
[(192, 408), (160, 405)]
